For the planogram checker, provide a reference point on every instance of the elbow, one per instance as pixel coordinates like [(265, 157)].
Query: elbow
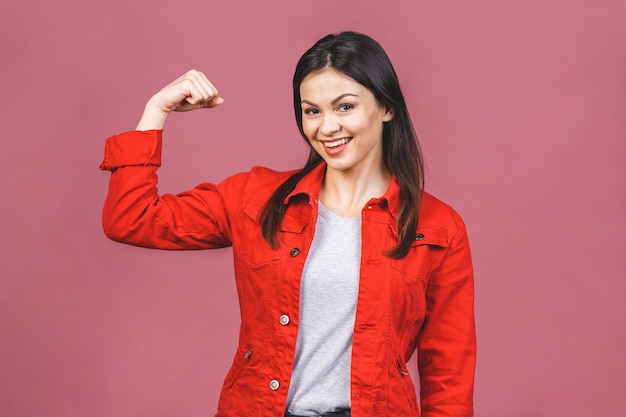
[(117, 228), (113, 231)]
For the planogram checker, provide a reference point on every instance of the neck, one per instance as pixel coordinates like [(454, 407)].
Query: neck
[(346, 192)]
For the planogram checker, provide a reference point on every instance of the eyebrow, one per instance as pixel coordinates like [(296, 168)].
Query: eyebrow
[(335, 101)]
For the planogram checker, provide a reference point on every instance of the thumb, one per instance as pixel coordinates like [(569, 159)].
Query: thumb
[(213, 102)]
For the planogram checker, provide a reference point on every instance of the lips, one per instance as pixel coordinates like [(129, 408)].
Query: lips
[(334, 147), (335, 143)]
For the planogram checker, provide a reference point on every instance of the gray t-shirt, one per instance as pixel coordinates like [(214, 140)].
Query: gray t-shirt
[(320, 381)]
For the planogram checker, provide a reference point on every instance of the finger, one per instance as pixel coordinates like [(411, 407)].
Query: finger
[(190, 91), (204, 91), (193, 92), (208, 104), (214, 102), (213, 98), (201, 82), (191, 104), (209, 85)]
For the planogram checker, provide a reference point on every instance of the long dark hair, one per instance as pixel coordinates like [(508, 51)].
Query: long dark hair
[(364, 60)]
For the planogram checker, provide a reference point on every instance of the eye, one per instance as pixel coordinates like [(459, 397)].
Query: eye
[(311, 112), (345, 107)]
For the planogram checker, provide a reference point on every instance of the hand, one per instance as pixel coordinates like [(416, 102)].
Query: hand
[(191, 91)]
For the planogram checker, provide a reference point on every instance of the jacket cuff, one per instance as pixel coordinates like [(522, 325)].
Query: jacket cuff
[(133, 148)]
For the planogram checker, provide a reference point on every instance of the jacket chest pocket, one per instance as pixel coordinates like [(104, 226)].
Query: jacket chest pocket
[(427, 251), (412, 273), (256, 251)]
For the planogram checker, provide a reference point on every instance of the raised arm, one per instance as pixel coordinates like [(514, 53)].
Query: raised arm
[(134, 212)]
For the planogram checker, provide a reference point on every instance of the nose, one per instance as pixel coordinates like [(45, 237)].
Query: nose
[(330, 125)]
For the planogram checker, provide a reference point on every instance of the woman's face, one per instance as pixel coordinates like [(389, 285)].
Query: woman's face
[(343, 121)]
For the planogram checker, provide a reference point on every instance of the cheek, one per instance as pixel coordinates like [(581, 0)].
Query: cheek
[(309, 129), (370, 124), (359, 126), (360, 122)]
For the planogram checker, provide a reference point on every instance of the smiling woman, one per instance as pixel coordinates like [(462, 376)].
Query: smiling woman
[(344, 124), (344, 268)]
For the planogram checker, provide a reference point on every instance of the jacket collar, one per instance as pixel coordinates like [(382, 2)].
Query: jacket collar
[(392, 197), (311, 183)]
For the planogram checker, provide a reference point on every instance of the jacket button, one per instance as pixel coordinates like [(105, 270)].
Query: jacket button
[(419, 236), (284, 319), (274, 384), (294, 252)]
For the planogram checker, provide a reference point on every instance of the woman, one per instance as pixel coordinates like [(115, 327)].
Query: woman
[(344, 268)]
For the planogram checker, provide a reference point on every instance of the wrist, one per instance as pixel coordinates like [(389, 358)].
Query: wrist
[(153, 117)]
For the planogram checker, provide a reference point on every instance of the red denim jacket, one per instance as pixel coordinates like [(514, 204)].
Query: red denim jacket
[(422, 302)]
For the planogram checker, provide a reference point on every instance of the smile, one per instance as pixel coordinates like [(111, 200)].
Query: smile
[(337, 142)]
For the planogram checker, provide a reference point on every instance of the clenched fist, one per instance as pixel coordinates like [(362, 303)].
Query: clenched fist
[(191, 91)]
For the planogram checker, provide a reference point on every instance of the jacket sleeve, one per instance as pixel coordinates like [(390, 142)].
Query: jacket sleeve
[(447, 342), (134, 213)]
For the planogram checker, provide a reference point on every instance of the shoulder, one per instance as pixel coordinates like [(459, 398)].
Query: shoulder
[(268, 175), (259, 183), (435, 214)]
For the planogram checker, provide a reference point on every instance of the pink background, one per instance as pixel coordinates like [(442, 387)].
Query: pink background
[(520, 107)]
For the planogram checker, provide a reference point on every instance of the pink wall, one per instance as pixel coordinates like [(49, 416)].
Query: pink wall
[(520, 107)]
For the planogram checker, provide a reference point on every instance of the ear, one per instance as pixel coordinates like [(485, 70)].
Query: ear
[(388, 116)]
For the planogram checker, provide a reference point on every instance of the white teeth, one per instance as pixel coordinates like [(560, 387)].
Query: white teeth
[(336, 143)]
